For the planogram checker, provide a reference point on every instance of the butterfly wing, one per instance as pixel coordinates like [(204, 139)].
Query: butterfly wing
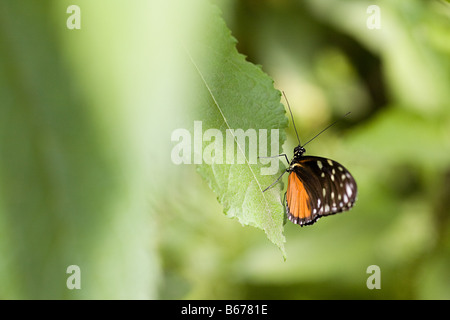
[(318, 187)]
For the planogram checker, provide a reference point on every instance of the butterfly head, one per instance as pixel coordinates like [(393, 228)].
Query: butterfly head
[(299, 151)]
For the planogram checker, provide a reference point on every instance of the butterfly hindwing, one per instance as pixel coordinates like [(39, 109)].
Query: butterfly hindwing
[(318, 187)]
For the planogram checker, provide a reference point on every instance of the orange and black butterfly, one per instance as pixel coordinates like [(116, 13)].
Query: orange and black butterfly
[(317, 186)]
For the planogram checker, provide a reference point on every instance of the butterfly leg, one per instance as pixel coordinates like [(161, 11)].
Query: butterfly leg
[(280, 155), (275, 181)]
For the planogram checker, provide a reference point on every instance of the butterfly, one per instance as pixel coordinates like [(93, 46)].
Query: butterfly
[(317, 186)]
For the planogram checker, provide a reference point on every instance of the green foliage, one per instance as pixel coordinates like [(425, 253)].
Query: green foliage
[(64, 196), (238, 95), (86, 175)]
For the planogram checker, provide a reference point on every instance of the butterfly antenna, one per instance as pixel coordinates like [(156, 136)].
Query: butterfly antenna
[(292, 117), (326, 128)]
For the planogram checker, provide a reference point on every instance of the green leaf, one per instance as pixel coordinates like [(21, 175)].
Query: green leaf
[(236, 94)]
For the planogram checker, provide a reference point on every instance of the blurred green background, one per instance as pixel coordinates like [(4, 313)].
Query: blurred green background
[(86, 176)]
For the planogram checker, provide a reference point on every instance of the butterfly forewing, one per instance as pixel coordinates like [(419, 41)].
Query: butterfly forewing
[(318, 187)]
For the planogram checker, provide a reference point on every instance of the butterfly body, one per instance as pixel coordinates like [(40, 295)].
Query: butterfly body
[(317, 187)]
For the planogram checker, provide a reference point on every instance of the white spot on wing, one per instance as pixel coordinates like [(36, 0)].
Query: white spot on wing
[(319, 164), (349, 190)]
